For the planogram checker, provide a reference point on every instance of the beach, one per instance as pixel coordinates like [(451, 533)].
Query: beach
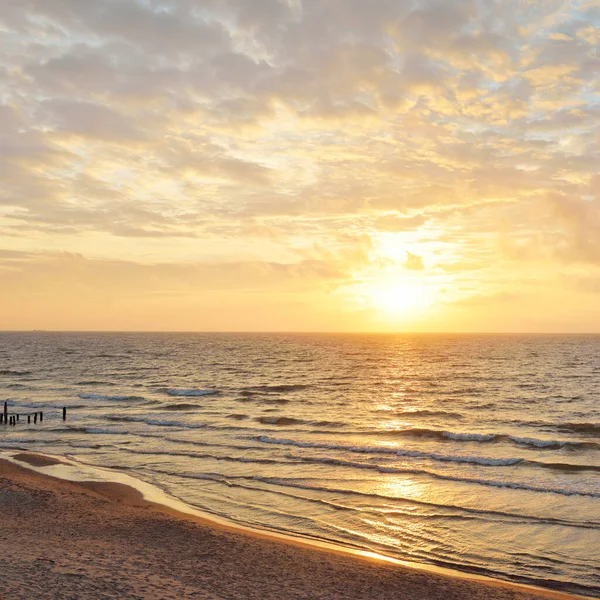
[(477, 454), (61, 539)]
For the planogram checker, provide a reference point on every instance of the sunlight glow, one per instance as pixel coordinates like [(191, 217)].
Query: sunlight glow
[(400, 298)]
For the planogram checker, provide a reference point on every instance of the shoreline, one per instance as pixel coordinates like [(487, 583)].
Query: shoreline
[(125, 501)]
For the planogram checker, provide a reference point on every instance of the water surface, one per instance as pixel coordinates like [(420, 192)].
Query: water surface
[(478, 453)]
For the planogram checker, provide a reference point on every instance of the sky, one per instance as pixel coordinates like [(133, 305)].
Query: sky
[(300, 165)]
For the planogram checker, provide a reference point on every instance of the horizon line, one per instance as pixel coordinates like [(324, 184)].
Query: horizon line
[(300, 332)]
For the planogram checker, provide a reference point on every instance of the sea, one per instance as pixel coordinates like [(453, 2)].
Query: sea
[(478, 453)]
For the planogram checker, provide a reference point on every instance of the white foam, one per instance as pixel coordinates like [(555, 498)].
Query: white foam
[(536, 443)]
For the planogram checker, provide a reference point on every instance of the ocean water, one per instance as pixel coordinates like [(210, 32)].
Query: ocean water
[(479, 453)]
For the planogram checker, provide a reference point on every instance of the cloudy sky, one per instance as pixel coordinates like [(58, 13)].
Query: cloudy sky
[(315, 165)]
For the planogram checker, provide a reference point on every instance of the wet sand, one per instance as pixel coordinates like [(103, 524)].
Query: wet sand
[(64, 540)]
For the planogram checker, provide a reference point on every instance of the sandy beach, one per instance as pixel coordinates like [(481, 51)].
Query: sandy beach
[(66, 540)]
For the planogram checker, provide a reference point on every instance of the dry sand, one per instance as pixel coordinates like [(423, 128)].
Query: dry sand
[(66, 540)]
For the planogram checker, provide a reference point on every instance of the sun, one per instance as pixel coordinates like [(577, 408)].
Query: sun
[(399, 298)]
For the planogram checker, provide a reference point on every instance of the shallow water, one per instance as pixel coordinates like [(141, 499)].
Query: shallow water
[(479, 453)]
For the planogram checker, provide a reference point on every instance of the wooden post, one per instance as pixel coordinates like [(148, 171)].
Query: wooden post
[(41, 416), (5, 411), (34, 418), (28, 419), (64, 413)]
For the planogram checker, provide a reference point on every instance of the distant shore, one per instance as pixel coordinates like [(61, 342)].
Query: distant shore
[(103, 540)]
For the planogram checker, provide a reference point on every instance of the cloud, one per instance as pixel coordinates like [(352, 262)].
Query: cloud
[(90, 120), (414, 262), (57, 273), (292, 131)]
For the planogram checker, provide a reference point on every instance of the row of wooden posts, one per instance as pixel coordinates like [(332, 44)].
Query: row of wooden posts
[(7, 419)]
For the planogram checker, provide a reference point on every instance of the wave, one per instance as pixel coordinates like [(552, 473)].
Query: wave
[(47, 405), (478, 460), (274, 401), (74, 429), (36, 440), (300, 483), (92, 430), (431, 413), (108, 383), (469, 437), (487, 438), (11, 373), (328, 424), (279, 421), (247, 396), (276, 388), (535, 443), (585, 428), (265, 439), (460, 459), (178, 392), (294, 421), (474, 460), (471, 480), (157, 422), (177, 407), (85, 396), (187, 425), (565, 467), (468, 391), (449, 435), (261, 461), (98, 431), (552, 444), (69, 430)]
